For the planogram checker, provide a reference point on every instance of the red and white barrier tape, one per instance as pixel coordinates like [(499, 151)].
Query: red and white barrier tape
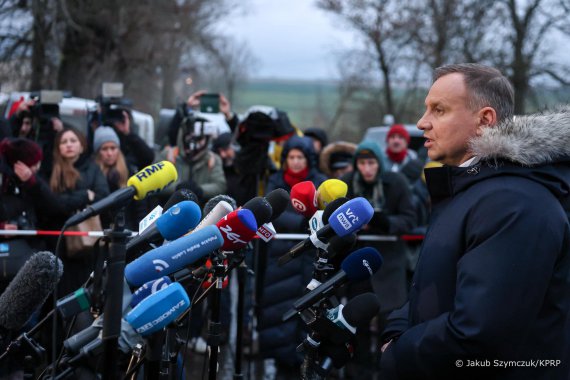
[(277, 236)]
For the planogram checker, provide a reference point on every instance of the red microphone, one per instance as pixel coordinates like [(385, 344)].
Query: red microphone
[(304, 198), (237, 228)]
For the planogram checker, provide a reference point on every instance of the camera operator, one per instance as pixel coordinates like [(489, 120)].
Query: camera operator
[(136, 151)]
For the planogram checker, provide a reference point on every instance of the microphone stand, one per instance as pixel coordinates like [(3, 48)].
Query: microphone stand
[(214, 325), (114, 295)]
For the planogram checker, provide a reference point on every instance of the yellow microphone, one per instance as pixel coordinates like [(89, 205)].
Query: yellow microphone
[(150, 180), (330, 190)]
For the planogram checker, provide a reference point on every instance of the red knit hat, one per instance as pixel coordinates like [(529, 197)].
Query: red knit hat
[(20, 149), (399, 129)]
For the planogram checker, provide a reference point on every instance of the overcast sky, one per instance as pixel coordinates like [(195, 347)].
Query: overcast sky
[(290, 38)]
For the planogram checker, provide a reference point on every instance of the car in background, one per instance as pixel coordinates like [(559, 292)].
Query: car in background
[(417, 140), (75, 111)]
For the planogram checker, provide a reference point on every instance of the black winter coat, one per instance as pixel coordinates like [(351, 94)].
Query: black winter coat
[(492, 280)]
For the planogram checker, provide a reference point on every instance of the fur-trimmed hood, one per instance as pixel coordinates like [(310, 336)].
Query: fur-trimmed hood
[(334, 148), (529, 140)]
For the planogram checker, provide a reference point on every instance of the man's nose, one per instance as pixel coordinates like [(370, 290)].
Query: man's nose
[(423, 123)]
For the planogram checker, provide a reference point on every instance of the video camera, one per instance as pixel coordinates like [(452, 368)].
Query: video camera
[(46, 105), (111, 104)]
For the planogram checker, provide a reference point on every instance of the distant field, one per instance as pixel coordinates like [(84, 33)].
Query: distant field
[(303, 101)]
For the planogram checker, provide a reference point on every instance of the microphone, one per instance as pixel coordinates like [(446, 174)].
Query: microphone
[(237, 228), (150, 180), (179, 196), (209, 206), (357, 312), (220, 210), (304, 198), (321, 217), (359, 265), (346, 219), (330, 190), (174, 223), (340, 245), (260, 208), (173, 256), (159, 309), (278, 199), (152, 314), (27, 291), (149, 288)]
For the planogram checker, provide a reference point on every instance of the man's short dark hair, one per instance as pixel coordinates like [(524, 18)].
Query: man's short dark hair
[(486, 86)]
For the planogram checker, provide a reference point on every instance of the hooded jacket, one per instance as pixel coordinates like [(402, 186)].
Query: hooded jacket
[(492, 280), (328, 151)]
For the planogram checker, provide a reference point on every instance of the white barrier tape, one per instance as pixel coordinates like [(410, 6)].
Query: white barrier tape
[(277, 236)]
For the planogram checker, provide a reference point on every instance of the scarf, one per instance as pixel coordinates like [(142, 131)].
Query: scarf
[(292, 179), (397, 157), (372, 192)]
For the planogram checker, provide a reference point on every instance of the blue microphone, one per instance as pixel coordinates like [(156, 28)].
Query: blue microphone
[(149, 288), (359, 265), (151, 315), (173, 256), (346, 219), (175, 222), (159, 309)]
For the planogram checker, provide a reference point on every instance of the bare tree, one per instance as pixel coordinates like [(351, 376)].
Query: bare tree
[(385, 27)]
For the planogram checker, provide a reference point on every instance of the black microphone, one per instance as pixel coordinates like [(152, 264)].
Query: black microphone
[(260, 208), (331, 207), (359, 265), (28, 290), (212, 202), (179, 196), (278, 199)]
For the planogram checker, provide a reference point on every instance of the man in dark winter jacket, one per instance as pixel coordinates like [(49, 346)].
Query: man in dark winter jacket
[(490, 296)]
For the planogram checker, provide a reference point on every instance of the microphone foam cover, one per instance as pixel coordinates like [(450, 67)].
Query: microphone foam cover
[(260, 208), (159, 309), (149, 288), (278, 199), (304, 198), (330, 190), (153, 179), (237, 229), (212, 202), (351, 216), (340, 245), (332, 207), (178, 220), (361, 264), (173, 256), (29, 289), (179, 196), (361, 309)]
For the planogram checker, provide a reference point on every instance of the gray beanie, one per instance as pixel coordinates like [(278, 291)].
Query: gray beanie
[(103, 135)]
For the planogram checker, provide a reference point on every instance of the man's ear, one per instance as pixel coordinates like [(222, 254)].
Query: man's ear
[(487, 117)]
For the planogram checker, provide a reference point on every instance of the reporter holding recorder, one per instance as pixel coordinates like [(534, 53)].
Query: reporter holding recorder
[(491, 286)]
